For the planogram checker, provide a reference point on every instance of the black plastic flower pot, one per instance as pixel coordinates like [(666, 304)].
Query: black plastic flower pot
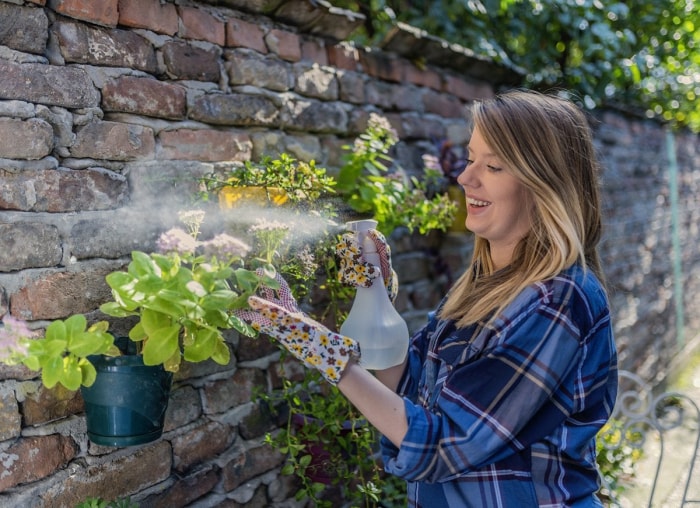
[(126, 405)]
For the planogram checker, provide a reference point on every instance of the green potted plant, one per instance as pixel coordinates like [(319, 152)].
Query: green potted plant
[(181, 298)]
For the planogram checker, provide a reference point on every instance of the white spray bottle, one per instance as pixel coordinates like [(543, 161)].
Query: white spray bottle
[(373, 321)]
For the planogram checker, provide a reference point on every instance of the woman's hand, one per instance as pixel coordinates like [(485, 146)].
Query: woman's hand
[(356, 271)]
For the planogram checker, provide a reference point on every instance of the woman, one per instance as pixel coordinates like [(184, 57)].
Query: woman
[(505, 388)]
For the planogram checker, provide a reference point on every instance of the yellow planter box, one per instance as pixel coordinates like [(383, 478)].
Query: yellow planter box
[(232, 197)]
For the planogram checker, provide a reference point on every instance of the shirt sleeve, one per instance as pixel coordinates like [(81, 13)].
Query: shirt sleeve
[(500, 401)]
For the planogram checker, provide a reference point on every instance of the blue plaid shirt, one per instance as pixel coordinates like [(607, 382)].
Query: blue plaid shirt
[(506, 415)]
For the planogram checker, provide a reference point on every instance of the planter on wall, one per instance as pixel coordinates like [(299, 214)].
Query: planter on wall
[(126, 404), (233, 196)]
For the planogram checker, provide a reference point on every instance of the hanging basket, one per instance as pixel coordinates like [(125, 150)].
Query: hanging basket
[(126, 404)]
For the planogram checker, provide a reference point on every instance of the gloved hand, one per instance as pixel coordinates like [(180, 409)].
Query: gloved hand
[(355, 271), (278, 316)]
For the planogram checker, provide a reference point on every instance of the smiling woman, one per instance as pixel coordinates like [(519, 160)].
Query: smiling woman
[(502, 393)]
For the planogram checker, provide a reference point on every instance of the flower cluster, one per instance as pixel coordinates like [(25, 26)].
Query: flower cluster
[(13, 335)]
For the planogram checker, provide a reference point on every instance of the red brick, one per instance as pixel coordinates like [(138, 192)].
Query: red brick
[(200, 25), (467, 90), (249, 464), (61, 294), (33, 458), (344, 56), (286, 45), (144, 96), (149, 14), (104, 12), (241, 34), (382, 66), (115, 141), (315, 51), (422, 77), (48, 405), (10, 419), (200, 443), (204, 145), (25, 139), (444, 105)]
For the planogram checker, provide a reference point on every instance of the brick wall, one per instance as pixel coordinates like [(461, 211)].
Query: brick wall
[(110, 110)]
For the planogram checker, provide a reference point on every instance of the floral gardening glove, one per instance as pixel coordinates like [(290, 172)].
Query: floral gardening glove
[(355, 271), (315, 345)]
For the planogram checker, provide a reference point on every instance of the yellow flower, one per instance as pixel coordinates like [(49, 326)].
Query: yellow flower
[(323, 339), (314, 360)]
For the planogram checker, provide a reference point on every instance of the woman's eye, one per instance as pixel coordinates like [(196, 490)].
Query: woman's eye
[(493, 168), (468, 162)]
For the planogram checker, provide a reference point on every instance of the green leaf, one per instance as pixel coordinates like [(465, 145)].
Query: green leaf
[(202, 347), (161, 344), (88, 372)]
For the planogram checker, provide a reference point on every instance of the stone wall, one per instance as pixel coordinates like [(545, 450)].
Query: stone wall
[(110, 111)]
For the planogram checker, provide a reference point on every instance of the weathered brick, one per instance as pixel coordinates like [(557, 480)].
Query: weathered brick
[(47, 405), (426, 77), (61, 294), (382, 66), (69, 87), (185, 61), (185, 490), (316, 116), (28, 244), (114, 141), (235, 109), (344, 56), (101, 46), (23, 28), (184, 407), (314, 81), (222, 395), (261, 71), (25, 139), (200, 25), (62, 190), (150, 14), (143, 96), (242, 34), (200, 443), (286, 45), (204, 145), (10, 418), (444, 105), (314, 51), (351, 87), (112, 477), (467, 90), (249, 464), (103, 12), (250, 348), (33, 458), (114, 236)]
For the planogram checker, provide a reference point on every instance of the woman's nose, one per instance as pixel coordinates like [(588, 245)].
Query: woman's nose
[(466, 177)]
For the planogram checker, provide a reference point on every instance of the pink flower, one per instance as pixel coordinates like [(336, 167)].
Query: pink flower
[(176, 240)]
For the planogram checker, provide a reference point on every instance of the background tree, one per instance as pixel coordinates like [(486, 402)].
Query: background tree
[(641, 55)]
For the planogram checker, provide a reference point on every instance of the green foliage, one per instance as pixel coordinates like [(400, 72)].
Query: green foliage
[(643, 55), (618, 450), (184, 299), (300, 181), (369, 186), (96, 502), (62, 354), (323, 434)]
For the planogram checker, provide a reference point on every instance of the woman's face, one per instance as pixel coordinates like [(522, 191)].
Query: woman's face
[(498, 205)]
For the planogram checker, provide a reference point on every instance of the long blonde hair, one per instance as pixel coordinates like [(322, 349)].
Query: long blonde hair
[(547, 144)]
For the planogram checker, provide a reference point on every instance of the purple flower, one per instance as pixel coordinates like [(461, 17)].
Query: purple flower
[(12, 332), (176, 240), (225, 247)]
